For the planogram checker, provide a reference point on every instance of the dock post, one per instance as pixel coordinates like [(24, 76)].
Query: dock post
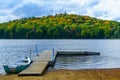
[(53, 55), (36, 50), (30, 54)]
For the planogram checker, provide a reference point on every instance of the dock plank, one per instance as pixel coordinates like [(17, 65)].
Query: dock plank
[(44, 56), (35, 68)]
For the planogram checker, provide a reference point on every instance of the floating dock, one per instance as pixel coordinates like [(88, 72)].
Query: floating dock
[(47, 58), (75, 53)]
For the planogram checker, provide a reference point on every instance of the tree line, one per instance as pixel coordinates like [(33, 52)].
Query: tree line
[(60, 26)]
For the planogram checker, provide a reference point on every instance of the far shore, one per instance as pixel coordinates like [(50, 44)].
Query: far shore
[(87, 74)]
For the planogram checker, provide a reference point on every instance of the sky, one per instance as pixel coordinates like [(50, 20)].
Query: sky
[(16, 9)]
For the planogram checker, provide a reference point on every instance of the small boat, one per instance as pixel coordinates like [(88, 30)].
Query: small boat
[(18, 66)]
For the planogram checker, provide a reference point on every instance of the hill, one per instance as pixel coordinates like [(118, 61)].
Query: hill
[(60, 26)]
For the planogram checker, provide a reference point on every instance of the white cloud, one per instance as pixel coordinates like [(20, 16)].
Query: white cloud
[(9, 18), (14, 9), (108, 9)]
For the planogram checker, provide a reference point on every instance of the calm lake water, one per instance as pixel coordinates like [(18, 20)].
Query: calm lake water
[(13, 50)]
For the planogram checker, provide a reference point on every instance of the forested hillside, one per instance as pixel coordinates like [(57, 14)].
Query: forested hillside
[(60, 26)]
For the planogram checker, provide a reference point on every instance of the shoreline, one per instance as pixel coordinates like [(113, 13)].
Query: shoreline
[(83, 74)]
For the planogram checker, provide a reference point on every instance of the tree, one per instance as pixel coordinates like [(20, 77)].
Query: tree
[(64, 26)]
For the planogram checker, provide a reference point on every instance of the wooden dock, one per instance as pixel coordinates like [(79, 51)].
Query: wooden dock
[(75, 53), (47, 58), (40, 63)]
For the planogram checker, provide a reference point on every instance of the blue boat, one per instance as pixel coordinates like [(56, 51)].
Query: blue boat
[(18, 66)]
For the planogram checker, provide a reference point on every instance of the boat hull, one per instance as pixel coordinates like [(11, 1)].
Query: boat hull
[(15, 70)]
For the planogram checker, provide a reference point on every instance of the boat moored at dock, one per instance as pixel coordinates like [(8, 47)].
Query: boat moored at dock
[(18, 66)]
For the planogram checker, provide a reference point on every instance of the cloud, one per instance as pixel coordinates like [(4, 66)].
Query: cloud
[(15, 9), (106, 9), (9, 18), (29, 10)]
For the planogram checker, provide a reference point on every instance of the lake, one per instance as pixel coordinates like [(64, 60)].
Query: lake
[(13, 50)]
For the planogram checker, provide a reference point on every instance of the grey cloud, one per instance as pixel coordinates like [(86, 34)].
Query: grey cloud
[(31, 9), (93, 3), (5, 4), (117, 18), (2, 14), (98, 13)]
